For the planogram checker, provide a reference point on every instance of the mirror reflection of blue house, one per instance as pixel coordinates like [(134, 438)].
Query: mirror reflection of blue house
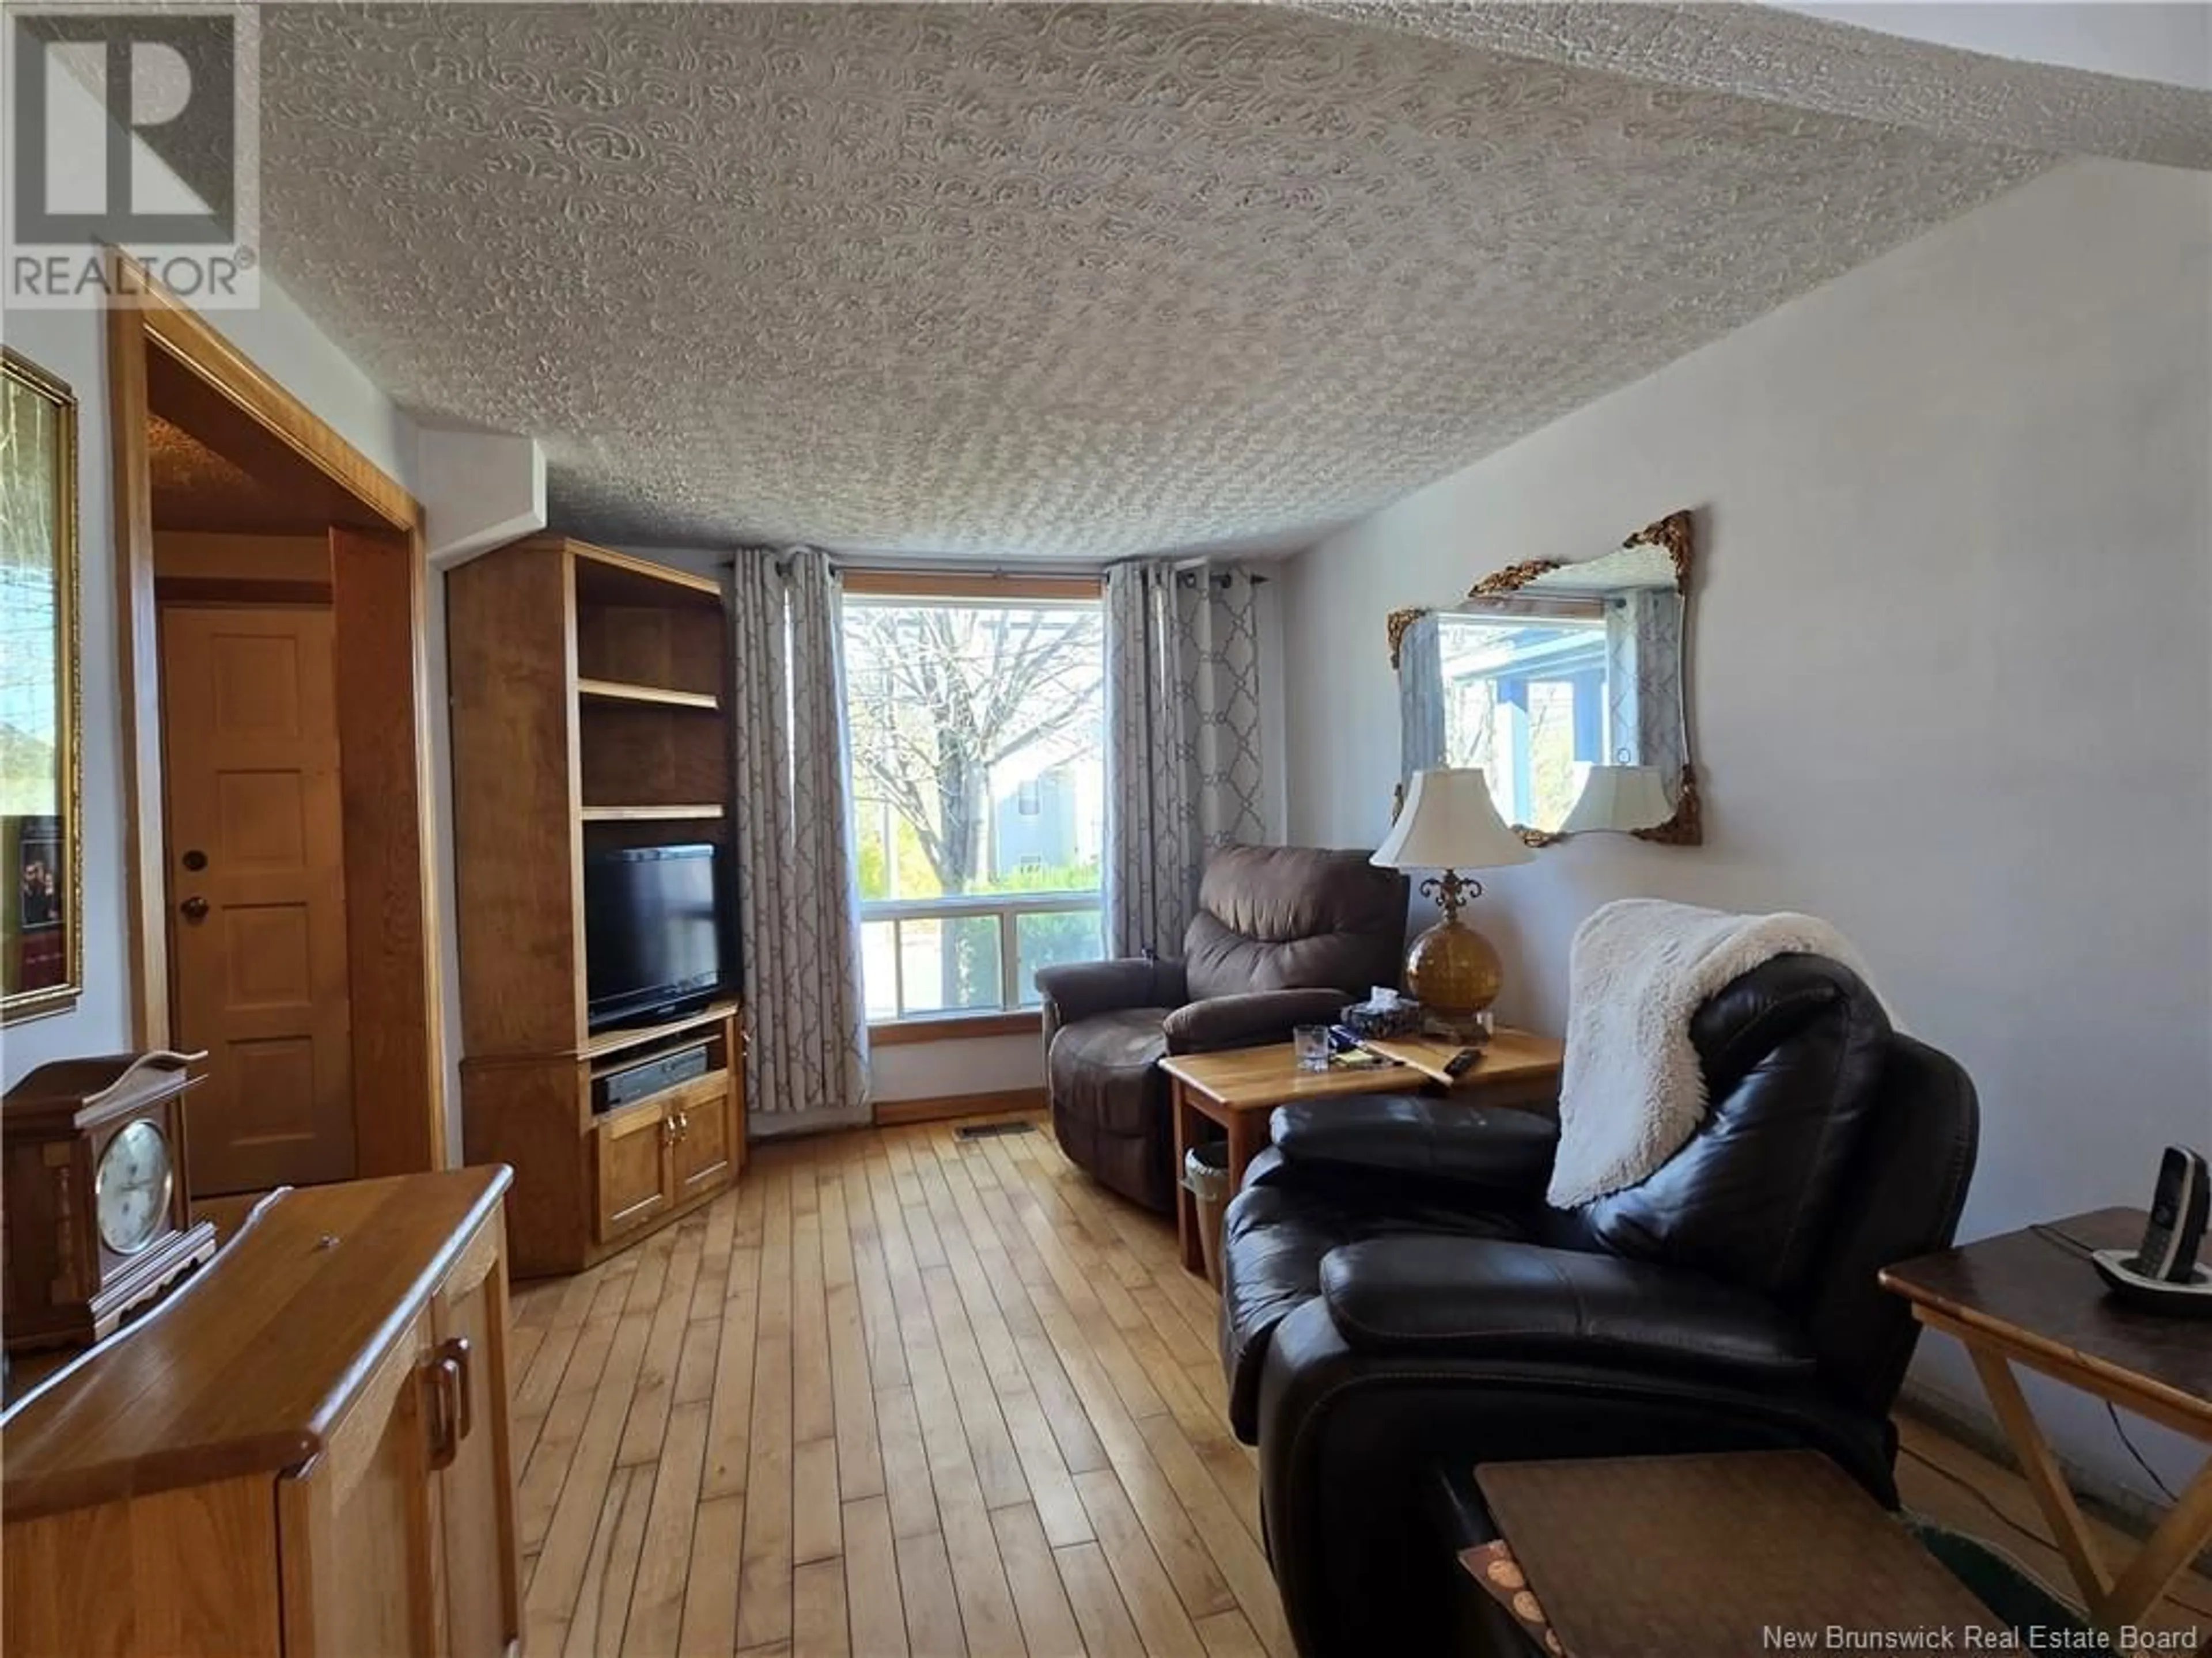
[(1495, 677)]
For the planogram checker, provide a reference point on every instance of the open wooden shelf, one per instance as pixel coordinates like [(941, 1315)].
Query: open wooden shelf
[(649, 696), (591, 699), (648, 814), (605, 1042)]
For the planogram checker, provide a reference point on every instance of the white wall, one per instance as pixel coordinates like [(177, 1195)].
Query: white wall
[(935, 1071), (1952, 665)]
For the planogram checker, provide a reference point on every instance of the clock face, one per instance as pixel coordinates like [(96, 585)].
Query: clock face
[(130, 1188)]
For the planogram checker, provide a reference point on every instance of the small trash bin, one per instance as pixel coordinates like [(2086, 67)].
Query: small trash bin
[(1206, 1177)]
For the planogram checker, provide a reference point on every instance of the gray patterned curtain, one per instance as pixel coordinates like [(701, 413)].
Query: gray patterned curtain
[(1183, 741), (1420, 698), (798, 905), (1644, 677)]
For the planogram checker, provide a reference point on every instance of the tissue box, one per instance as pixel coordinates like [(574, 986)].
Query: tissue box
[(1371, 1018)]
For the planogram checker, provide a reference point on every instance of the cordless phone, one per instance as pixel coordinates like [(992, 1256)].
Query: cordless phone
[(2178, 1211)]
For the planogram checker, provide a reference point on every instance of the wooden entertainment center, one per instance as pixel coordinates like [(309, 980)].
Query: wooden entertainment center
[(590, 713)]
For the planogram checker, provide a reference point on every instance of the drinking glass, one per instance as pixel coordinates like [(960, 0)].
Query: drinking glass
[(1310, 1043)]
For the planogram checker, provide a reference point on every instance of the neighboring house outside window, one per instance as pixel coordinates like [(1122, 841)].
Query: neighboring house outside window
[(977, 717)]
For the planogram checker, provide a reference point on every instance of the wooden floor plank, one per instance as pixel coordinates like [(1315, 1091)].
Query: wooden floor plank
[(817, 1526), (925, 1592), (598, 1606), (813, 1398), (1153, 1606), (656, 1603), (655, 1389), (1048, 1628), (1103, 1615), (906, 1464), (729, 1428), (872, 1583), (710, 1586), (765, 1582), (1226, 1635), (576, 1516), (817, 1594)]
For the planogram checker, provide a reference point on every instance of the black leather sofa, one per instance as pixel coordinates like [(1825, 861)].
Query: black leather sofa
[(1399, 1303)]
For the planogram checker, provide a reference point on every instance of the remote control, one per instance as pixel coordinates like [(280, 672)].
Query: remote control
[(2177, 1211), (1462, 1062)]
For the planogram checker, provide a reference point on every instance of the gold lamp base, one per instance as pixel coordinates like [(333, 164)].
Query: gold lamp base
[(1452, 970)]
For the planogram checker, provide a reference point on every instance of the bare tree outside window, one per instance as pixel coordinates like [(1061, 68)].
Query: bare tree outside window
[(977, 734)]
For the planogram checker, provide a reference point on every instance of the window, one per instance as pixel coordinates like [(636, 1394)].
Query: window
[(978, 716)]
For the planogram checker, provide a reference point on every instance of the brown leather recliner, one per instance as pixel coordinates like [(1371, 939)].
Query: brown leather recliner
[(1283, 935)]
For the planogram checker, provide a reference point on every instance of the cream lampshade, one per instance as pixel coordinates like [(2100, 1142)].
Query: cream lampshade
[(1449, 824), (1619, 797)]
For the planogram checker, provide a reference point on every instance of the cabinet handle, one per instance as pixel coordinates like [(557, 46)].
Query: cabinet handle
[(684, 1124), (439, 1377), (455, 1352)]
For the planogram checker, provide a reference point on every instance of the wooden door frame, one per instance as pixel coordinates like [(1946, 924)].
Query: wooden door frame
[(393, 948)]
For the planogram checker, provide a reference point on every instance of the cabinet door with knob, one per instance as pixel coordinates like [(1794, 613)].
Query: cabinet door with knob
[(630, 1168), (357, 1526), (469, 1456), (700, 1139)]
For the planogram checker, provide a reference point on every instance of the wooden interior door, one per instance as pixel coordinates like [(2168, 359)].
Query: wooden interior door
[(256, 892)]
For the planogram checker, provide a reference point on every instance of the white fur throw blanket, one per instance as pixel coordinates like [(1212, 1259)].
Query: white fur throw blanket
[(1632, 1092)]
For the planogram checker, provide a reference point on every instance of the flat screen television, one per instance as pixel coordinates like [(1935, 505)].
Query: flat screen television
[(656, 934)]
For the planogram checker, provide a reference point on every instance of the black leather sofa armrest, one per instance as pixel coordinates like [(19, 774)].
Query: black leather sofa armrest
[(1249, 1019), (1505, 1152), (1482, 1299), (1079, 990)]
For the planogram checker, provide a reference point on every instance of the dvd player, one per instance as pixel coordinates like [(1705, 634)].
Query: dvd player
[(652, 1076)]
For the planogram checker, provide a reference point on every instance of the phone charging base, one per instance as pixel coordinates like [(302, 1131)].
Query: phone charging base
[(2154, 1295)]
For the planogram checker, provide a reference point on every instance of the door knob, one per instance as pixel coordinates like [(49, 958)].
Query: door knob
[(195, 908)]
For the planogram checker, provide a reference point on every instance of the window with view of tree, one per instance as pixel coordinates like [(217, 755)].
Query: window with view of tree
[(978, 735)]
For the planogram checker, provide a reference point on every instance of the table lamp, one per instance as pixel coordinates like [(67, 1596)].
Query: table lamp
[(1619, 797), (1449, 824)]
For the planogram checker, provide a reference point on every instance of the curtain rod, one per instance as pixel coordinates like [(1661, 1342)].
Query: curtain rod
[(1041, 569)]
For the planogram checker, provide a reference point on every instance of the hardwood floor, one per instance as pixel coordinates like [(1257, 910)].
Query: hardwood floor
[(903, 1396)]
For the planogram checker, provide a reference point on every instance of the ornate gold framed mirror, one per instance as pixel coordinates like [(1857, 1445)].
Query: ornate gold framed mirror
[(41, 783), (1567, 683)]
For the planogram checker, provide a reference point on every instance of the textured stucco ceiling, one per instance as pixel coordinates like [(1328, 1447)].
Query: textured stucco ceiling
[(1827, 65), (1057, 283), (195, 488)]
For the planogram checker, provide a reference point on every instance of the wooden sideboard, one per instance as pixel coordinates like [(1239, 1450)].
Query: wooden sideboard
[(304, 1450)]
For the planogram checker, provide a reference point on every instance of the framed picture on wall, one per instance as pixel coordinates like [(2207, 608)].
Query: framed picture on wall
[(41, 809)]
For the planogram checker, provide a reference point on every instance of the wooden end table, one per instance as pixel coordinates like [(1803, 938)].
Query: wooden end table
[(1238, 1088), (2026, 1298)]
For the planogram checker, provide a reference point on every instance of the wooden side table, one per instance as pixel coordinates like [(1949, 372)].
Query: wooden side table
[(2026, 1298), (1629, 1557), (1238, 1088)]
